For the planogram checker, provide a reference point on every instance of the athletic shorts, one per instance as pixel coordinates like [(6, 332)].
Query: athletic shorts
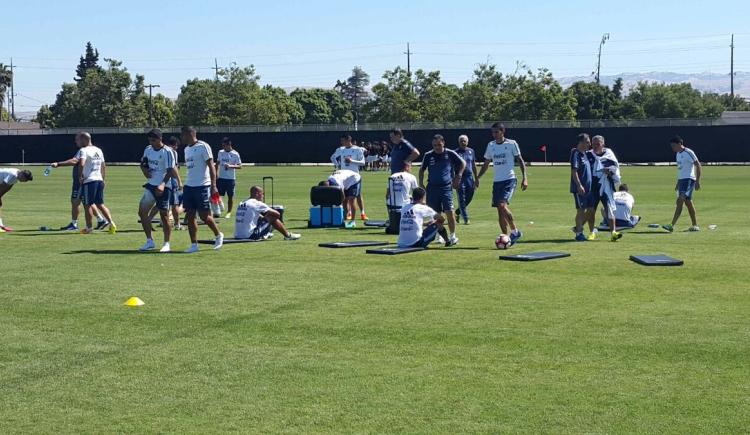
[(75, 191), (196, 198), (176, 197), (502, 191), (583, 201), (225, 186), (261, 231), (354, 191), (440, 199), (428, 236), (150, 199), (685, 187), (93, 193)]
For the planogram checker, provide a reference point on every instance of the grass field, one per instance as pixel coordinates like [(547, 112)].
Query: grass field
[(288, 337)]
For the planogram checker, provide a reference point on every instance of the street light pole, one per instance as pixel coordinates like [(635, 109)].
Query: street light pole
[(151, 104), (605, 37)]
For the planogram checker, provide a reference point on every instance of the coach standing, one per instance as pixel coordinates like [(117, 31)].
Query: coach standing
[(442, 164), (402, 151)]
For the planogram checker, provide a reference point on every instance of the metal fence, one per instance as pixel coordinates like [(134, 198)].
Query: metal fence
[(584, 124)]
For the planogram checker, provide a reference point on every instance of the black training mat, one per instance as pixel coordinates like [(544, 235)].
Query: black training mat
[(393, 251), (228, 241), (656, 260), (381, 224), (535, 256), (355, 244)]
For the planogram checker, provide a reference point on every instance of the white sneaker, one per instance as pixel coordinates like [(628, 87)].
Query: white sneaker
[(453, 240), (219, 242), (439, 239), (148, 246), (292, 236), (228, 216), (694, 228), (193, 248), (165, 248)]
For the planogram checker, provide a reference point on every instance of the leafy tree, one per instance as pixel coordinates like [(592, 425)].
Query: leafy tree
[(89, 61), (437, 100), (593, 100), (354, 90), (394, 99), (659, 100)]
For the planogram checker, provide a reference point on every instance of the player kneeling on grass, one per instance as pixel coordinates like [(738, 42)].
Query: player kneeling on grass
[(420, 224), (255, 220), (8, 178), (624, 202), (158, 167)]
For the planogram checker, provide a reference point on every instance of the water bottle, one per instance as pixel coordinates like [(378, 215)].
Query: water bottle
[(47, 171)]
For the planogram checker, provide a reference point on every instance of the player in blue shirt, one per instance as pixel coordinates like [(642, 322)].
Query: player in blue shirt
[(580, 183), (401, 151), (445, 169), (469, 183)]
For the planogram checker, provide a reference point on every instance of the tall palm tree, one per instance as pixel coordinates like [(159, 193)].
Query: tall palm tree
[(6, 77)]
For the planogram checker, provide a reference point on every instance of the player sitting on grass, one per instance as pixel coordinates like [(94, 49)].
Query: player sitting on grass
[(8, 178), (580, 183), (624, 202), (420, 224), (158, 167), (688, 179), (255, 220)]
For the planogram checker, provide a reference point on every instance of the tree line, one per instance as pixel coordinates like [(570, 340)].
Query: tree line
[(105, 94)]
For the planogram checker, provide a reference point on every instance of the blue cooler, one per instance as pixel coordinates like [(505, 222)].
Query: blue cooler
[(322, 216)]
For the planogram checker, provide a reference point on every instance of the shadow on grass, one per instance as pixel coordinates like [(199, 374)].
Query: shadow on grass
[(117, 252), (648, 232), (527, 242)]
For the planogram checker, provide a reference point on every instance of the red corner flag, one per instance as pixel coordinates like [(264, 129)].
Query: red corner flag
[(543, 148)]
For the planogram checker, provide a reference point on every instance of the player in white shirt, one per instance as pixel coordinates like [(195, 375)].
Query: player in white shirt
[(504, 153), (174, 145), (92, 174), (420, 224), (158, 167), (8, 178), (351, 157), (350, 183), (228, 161), (400, 187), (255, 220), (688, 179), (624, 202), (200, 186)]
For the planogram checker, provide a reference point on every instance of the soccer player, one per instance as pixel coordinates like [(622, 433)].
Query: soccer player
[(255, 220), (401, 151), (624, 202), (92, 175), (504, 152), (174, 145), (688, 179), (158, 167), (580, 183), (445, 169), (8, 178), (228, 162), (349, 182), (200, 185), (469, 183), (605, 170), (402, 183), (420, 224), (75, 194), (351, 157)]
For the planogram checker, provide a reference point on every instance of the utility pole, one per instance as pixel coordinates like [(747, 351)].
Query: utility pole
[(731, 71), (12, 92), (408, 59), (151, 104), (605, 37), (216, 69)]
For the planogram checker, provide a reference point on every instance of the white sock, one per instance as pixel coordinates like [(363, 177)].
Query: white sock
[(453, 235), (1, 222), (74, 221), (99, 216)]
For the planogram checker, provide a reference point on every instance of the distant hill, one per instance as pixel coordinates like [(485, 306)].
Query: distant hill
[(705, 82)]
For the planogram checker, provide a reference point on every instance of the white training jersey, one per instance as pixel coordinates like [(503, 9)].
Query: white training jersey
[(503, 157), (246, 217), (400, 186), (228, 158), (413, 217), (686, 164), (8, 176), (93, 159), (345, 178), (159, 162), (196, 160), (355, 153), (624, 202)]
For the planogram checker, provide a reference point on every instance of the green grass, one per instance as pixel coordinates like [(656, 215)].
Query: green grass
[(289, 337)]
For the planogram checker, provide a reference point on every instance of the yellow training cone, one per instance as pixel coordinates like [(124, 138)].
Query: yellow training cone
[(134, 302)]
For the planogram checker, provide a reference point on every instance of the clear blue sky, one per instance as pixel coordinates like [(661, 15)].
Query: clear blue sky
[(314, 43)]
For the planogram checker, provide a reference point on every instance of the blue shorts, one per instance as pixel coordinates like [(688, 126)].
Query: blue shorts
[(262, 230), (685, 187), (196, 198), (428, 236), (583, 201), (75, 191), (176, 196), (440, 199), (502, 191), (225, 186), (354, 191), (93, 193), (160, 202)]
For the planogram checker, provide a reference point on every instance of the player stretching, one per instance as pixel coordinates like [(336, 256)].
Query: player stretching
[(350, 183), (255, 220), (688, 179), (504, 152), (8, 178), (200, 184), (227, 163), (351, 157), (158, 167), (92, 175)]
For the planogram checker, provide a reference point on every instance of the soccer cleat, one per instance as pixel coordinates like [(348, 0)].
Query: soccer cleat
[(101, 224), (219, 242), (467, 222), (192, 249), (615, 236), (112, 228), (149, 245), (363, 216), (6, 228), (350, 224), (580, 237), (693, 228), (591, 236), (668, 227), (71, 227), (2, 230), (165, 248), (87, 231), (228, 216), (452, 240), (292, 236), (514, 236)]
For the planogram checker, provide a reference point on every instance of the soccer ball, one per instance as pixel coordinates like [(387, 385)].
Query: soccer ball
[(502, 242)]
